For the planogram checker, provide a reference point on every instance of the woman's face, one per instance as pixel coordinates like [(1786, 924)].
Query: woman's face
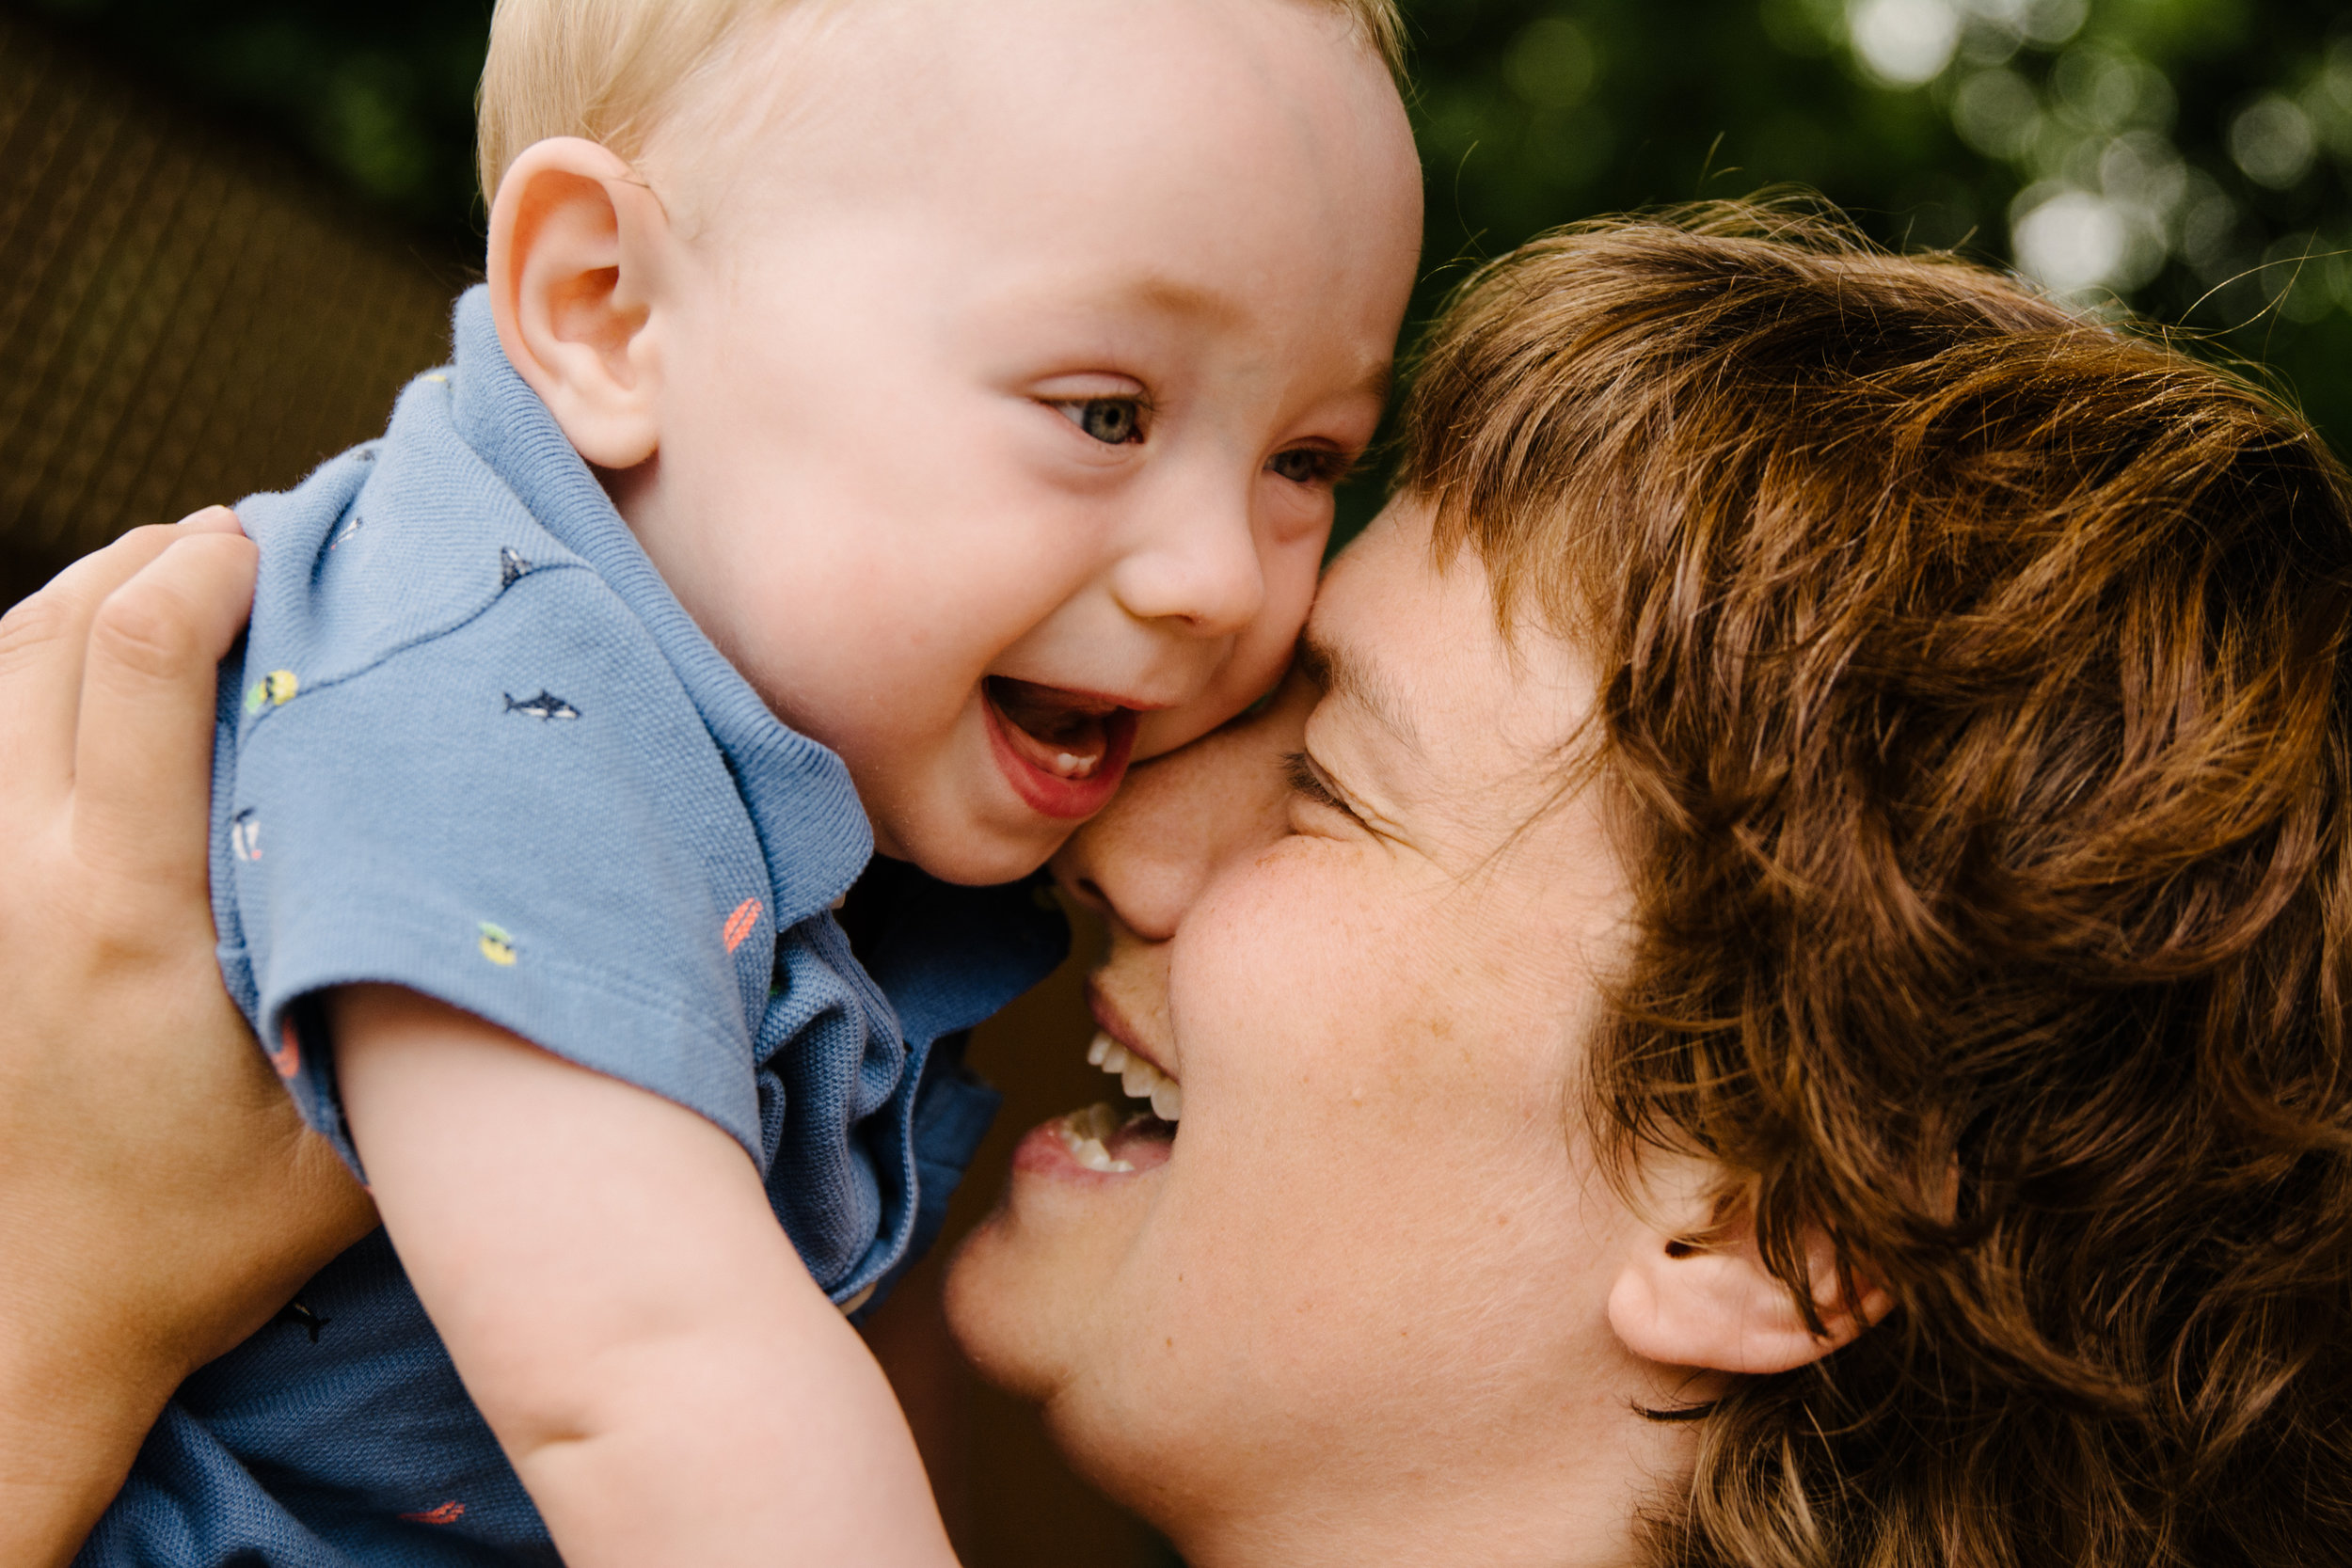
[(1362, 1293)]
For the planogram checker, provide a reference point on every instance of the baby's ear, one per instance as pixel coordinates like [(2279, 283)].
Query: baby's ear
[(1695, 1293), (578, 251)]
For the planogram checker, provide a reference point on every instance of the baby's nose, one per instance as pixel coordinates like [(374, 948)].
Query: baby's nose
[(1201, 570)]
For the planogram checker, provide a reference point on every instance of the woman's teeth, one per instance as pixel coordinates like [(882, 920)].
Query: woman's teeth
[(1139, 1078), (1088, 1133)]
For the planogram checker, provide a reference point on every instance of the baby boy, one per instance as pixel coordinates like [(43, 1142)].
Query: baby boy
[(882, 420)]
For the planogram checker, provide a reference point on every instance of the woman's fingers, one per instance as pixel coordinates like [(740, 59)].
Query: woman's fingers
[(159, 1197), (143, 739), (213, 520), (41, 644)]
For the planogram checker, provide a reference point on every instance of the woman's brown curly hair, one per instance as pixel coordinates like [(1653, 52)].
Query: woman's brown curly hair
[(1973, 677)]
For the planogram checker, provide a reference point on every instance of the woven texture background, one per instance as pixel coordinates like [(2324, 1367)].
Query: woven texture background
[(185, 318)]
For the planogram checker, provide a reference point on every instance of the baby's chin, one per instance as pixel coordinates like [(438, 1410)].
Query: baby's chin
[(970, 854)]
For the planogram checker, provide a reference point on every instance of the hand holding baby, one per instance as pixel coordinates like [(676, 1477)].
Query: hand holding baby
[(172, 1195)]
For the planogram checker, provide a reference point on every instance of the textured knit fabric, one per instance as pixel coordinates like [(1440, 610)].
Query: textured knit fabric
[(473, 746)]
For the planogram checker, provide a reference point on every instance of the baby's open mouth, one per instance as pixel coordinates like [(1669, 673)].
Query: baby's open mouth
[(1067, 733), (1135, 1135)]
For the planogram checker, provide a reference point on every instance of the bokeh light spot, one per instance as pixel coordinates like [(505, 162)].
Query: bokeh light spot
[(1904, 42), (2070, 242), (2274, 142), (1551, 64)]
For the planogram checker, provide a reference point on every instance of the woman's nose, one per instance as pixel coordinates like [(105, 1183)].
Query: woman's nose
[(1145, 861), (1196, 567)]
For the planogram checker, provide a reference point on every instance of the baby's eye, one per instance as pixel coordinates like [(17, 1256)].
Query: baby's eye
[(1309, 466), (1113, 421)]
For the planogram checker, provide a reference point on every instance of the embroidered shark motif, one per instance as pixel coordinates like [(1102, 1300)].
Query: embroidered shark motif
[(244, 836), (544, 706), (299, 1315), (512, 568)]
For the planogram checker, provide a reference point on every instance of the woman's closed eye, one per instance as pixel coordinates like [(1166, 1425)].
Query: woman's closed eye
[(1113, 421), (1307, 784)]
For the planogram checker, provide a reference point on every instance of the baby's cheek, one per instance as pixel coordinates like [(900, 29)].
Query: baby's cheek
[(1260, 658), (1158, 734)]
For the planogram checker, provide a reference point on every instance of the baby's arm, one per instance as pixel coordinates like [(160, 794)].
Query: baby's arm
[(668, 1381)]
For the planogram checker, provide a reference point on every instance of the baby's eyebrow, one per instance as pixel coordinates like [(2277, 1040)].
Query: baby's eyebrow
[(1362, 681), (1161, 295)]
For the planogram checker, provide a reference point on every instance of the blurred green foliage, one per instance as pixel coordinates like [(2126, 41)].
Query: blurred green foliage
[(2189, 158), (379, 96)]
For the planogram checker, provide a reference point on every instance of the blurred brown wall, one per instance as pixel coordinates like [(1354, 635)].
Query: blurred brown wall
[(186, 317)]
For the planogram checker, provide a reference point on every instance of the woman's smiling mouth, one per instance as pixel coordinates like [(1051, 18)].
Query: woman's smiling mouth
[(1137, 1134), (1064, 753), (1139, 1077)]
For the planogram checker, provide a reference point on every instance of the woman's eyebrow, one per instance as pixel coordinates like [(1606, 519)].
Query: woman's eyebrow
[(1362, 681)]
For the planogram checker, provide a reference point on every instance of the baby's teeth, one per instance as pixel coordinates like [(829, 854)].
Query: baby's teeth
[(1139, 1077), (1167, 1101), (1100, 1049), (1115, 1059)]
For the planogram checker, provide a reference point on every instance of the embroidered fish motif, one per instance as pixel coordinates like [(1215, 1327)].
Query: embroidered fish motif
[(497, 946), (287, 1058), (245, 835), (448, 1513), (512, 568), (741, 923), (275, 690), (544, 706)]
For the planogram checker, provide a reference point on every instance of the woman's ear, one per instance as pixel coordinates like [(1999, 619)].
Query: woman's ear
[(580, 262), (1712, 1302)]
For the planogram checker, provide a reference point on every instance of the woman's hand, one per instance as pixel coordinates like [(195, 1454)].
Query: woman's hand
[(159, 1197)]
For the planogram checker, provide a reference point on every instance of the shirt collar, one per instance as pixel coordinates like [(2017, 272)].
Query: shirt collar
[(811, 826)]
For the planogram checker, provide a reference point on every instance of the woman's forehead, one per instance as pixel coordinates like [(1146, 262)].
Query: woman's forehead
[(1429, 714)]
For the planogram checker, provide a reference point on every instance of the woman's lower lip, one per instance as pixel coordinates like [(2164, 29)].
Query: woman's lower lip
[(1046, 1151), (1049, 794)]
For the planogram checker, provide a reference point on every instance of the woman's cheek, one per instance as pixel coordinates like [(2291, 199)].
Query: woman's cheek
[(1293, 1026)]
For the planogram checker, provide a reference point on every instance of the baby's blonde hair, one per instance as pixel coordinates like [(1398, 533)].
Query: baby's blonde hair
[(611, 69)]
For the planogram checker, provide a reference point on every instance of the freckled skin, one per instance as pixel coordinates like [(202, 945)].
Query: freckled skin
[(1340, 1188)]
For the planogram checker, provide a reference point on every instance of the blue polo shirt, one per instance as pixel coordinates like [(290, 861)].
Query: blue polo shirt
[(473, 746)]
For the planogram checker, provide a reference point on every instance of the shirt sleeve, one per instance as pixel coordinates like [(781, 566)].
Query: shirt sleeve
[(524, 817)]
